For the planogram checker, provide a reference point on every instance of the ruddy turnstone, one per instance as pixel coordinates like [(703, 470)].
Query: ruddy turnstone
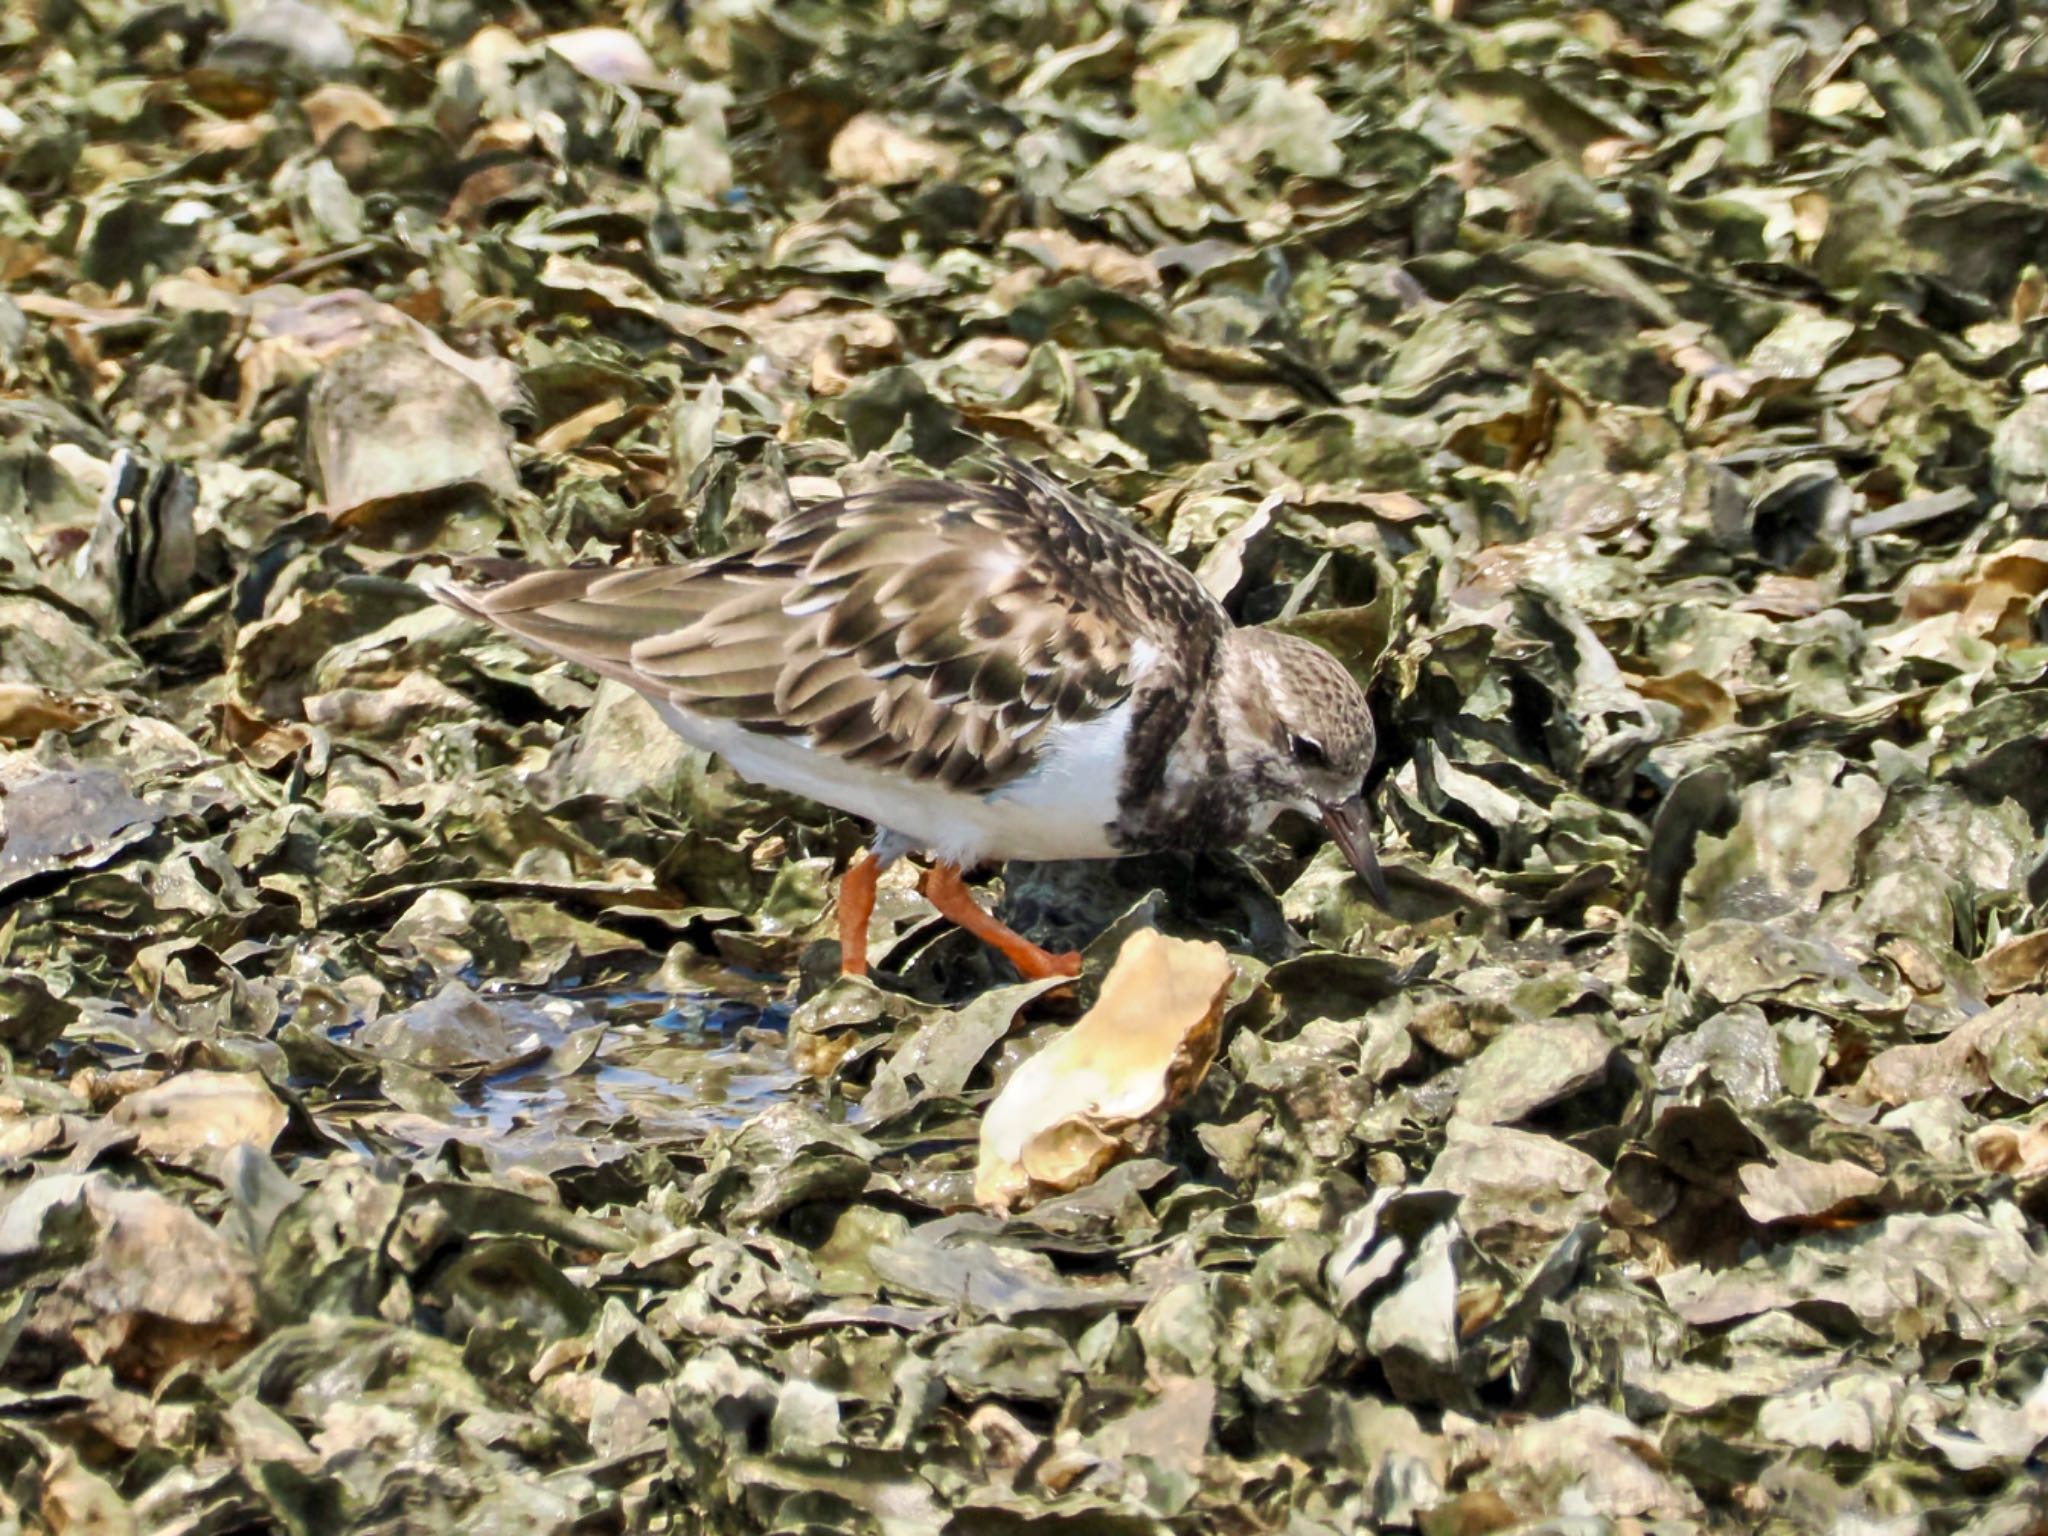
[(984, 671)]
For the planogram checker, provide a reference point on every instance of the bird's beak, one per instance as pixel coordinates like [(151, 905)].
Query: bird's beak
[(1350, 828)]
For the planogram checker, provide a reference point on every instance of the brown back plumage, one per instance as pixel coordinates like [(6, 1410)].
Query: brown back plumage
[(930, 628)]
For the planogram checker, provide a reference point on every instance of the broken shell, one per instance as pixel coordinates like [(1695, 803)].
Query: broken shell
[(1100, 1092)]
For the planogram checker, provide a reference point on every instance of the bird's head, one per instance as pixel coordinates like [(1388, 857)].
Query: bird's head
[(1301, 736)]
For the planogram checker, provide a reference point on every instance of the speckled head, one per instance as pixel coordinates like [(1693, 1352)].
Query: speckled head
[(1301, 735)]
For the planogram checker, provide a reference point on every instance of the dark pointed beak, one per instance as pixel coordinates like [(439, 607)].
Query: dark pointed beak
[(1350, 828)]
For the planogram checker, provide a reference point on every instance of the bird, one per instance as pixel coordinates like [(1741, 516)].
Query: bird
[(984, 670)]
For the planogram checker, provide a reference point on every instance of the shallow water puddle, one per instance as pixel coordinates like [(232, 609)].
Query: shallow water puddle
[(555, 1080)]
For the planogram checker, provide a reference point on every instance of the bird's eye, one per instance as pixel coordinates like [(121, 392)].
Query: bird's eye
[(1309, 752)]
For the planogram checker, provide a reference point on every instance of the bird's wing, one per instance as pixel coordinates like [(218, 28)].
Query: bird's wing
[(937, 630)]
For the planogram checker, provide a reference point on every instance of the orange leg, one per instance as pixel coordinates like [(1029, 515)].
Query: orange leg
[(942, 886), (856, 906)]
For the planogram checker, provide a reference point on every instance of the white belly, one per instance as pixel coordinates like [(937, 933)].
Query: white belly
[(1062, 809)]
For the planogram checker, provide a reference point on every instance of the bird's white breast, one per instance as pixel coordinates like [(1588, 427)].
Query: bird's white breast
[(1062, 808)]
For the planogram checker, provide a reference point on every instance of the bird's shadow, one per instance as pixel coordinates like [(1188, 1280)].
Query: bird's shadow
[(1220, 896)]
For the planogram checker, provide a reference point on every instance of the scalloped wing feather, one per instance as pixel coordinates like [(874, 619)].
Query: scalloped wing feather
[(935, 630)]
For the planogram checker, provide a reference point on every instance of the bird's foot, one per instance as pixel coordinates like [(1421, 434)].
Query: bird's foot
[(942, 886)]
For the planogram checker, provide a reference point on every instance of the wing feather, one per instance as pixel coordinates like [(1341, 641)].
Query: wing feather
[(932, 628)]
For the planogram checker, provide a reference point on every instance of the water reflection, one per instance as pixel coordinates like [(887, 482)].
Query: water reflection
[(567, 1079)]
